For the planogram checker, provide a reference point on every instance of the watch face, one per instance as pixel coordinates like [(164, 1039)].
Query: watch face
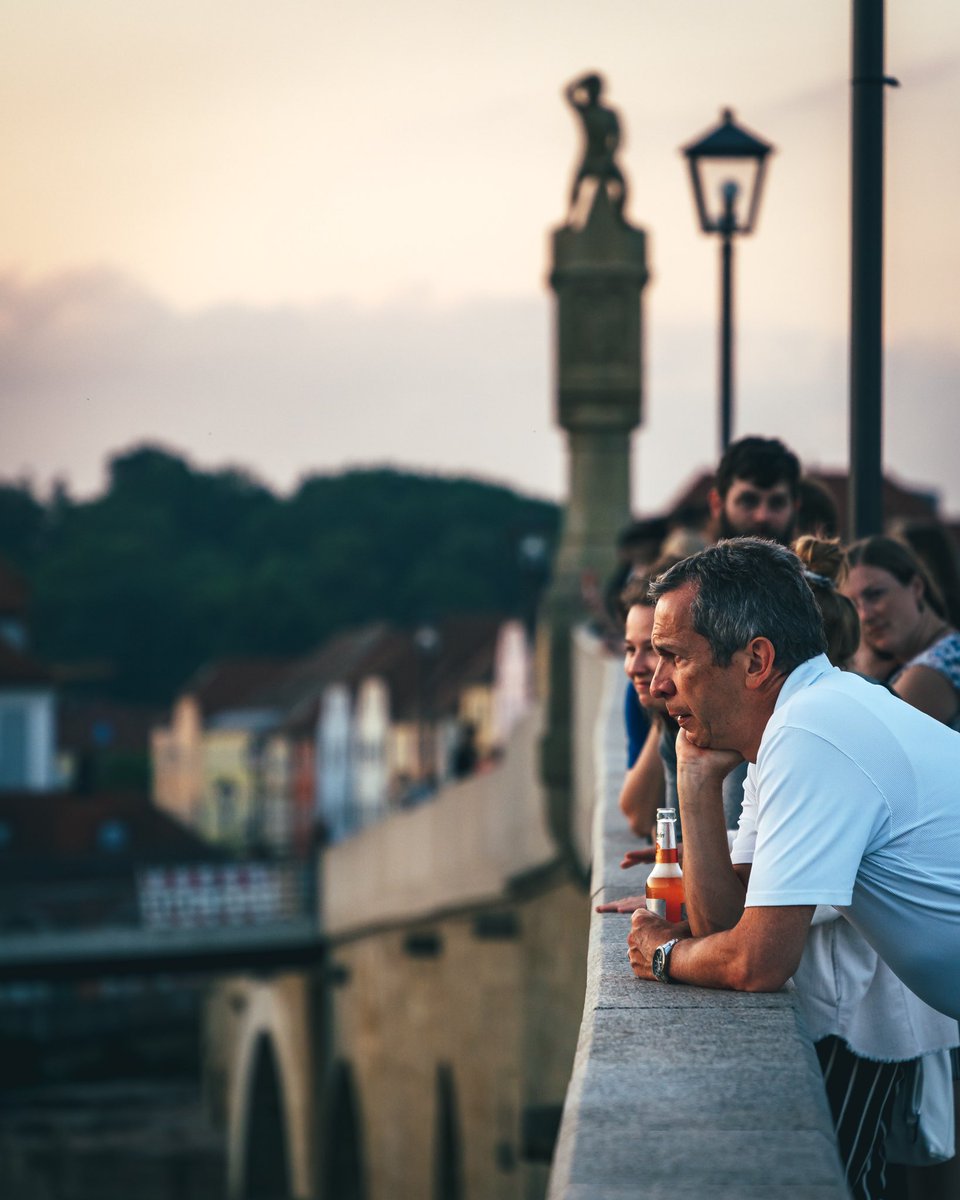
[(658, 962)]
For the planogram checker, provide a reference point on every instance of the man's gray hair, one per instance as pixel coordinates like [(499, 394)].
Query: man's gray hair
[(745, 588)]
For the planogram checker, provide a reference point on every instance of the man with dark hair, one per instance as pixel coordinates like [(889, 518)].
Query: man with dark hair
[(756, 490), (855, 791)]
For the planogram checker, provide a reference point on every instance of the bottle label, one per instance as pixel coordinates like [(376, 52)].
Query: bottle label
[(660, 908)]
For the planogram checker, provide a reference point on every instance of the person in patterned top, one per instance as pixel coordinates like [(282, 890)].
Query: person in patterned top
[(905, 627)]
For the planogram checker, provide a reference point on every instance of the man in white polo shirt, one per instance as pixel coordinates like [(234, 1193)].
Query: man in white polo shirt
[(858, 794)]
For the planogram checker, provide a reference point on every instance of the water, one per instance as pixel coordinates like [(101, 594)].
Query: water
[(146, 1139), (100, 1093)]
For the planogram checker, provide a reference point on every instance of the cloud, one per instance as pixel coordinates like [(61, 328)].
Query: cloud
[(90, 363)]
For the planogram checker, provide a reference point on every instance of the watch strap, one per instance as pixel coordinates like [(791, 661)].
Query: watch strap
[(665, 949)]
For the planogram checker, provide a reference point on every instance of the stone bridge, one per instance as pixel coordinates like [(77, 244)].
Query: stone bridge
[(432, 1056)]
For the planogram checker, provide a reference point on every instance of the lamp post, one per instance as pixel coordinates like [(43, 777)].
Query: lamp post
[(727, 167), (426, 639), (533, 555)]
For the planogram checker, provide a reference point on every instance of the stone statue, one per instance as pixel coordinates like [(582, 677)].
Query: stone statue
[(602, 131)]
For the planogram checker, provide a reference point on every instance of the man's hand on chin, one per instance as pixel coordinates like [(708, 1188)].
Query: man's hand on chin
[(703, 761), (647, 932)]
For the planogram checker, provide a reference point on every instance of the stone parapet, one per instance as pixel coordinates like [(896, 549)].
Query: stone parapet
[(676, 1090), (462, 848)]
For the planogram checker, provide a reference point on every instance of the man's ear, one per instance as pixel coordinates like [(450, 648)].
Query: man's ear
[(715, 500), (760, 662)]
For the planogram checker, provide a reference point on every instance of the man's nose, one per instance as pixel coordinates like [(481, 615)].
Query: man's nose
[(659, 683)]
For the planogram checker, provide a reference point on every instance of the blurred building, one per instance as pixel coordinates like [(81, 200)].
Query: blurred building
[(27, 698), (276, 755)]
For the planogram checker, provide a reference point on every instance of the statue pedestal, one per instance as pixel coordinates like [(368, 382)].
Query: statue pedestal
[(599, 271), (598, 275)]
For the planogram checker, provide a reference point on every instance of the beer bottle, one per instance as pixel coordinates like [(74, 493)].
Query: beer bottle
[(665, 881)]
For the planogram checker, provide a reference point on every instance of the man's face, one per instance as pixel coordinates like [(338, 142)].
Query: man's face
[(750, 510), (639, 657), (703, 699)]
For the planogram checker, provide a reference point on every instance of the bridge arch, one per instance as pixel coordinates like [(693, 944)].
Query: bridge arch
[(343, 1162), (271, 1109), (266, 1167), (448, 1145)]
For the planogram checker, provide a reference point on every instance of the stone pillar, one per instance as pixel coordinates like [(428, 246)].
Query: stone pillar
[(598, 273)]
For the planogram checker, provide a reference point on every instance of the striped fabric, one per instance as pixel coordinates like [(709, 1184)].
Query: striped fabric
[(860, 1093)]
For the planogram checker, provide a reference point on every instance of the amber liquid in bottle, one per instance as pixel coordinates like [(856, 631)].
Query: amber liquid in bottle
[(665, 881)]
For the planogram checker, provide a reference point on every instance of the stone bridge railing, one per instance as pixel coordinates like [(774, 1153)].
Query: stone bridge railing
[(196, 917), (675, 1090)]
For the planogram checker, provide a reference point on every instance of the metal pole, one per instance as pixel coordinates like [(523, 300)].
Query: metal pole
[(726, 340), (866, 271)]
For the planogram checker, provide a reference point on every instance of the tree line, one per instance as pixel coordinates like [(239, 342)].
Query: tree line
[(172, 566)]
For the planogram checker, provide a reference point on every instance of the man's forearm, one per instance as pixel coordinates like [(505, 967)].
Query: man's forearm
[(721, 960), (758, 955), (713, 892)]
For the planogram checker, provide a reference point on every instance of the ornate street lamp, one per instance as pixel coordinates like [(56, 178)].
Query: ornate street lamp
[(727, 167)]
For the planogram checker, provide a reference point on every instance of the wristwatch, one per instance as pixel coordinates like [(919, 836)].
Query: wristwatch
[(660, 963)]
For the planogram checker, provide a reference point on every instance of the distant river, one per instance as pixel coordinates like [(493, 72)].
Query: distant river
[(128, 1140)]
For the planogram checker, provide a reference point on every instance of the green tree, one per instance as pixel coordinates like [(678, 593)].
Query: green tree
[(172, 566)]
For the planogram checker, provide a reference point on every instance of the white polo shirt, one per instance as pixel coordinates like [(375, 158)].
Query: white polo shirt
[(858, 805)]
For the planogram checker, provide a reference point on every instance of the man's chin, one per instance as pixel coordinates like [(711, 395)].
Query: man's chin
[(696, 735)]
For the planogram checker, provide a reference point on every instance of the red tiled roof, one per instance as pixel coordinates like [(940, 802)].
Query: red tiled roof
[(295, 687), (464, 656), (899, 499), (233, 682), (63, 826), (20, 670)]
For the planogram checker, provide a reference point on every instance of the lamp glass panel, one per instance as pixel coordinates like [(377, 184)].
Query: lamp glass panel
[(715, 173)]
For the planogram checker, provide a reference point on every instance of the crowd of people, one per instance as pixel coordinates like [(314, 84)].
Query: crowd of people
[(797, 702)]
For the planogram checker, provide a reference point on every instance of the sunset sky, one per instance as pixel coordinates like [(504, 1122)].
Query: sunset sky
[(297, 236)]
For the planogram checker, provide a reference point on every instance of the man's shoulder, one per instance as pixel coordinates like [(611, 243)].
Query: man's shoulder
[(815, 685), (828, 704), (821, 686), (862, 721)]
